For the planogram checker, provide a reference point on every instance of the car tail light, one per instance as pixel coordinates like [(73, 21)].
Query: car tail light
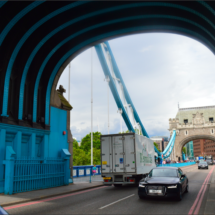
[(106, 180), (131, 180)]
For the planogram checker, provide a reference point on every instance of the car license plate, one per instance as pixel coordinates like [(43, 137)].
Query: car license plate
[(155, 191), (107, 178)]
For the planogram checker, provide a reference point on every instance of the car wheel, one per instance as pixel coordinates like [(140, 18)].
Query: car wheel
[(198, 168), (141, 197), (207, 167), (187, 189), (179, 197), (117, 185)]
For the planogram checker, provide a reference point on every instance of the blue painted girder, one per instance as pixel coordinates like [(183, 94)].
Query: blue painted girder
[(166, 153)]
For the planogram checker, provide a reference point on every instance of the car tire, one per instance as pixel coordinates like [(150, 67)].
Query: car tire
[(187, 189), (117, 185), (198, 168), (179, 196), (141, 197), (207, 167)]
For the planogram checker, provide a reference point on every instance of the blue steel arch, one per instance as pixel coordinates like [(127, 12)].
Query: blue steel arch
[(100, 37), (46, 38), (62, 43), (19, 45), (2, 3), (17, 18)]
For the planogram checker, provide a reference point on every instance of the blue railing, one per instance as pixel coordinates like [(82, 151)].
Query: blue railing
[(81, 171), (27, 173), (178, 164)]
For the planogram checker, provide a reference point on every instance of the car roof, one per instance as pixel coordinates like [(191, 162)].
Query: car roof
[(165, 167)]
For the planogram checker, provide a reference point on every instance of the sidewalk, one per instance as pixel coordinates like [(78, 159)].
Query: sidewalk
[(86, 179), (210, 202), (6, 200)]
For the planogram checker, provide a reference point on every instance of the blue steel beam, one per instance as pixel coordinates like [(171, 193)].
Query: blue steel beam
[(166, 153), (113, 87), (128, 99), (172, 139), (171, 145)]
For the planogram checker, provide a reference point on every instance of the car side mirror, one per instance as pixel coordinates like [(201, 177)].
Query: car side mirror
[(182, 176)]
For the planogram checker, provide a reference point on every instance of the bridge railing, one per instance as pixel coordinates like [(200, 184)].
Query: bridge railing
[(178, 164), (28, 173), (81, 171)]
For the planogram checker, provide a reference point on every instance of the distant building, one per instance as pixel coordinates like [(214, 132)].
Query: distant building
[(198, 147), (162, 141), (203, 147), (209, 147)]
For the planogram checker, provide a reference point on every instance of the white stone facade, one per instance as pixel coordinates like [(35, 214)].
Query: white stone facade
[(191, 124)]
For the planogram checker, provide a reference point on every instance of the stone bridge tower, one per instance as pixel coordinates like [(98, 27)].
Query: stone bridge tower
[(190, 124)]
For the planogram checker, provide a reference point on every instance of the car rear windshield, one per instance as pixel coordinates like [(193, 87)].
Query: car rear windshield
[(163, 173), (203, 162)]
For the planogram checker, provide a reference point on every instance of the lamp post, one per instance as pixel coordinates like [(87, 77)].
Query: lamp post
[(69, 85), (108, 80), (120, 111), (92, 106)]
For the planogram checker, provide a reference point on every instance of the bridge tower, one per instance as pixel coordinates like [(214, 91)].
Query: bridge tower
[(191, 124)]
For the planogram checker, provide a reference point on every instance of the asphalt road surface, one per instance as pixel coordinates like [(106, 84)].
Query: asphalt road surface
[(123, 200)]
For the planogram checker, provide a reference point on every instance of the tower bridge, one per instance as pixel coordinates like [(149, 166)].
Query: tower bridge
[(37, 41), (191, 124)]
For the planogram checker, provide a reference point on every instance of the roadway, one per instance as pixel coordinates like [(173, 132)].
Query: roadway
[(124, 200)]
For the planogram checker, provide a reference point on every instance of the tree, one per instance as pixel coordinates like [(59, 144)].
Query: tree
[(80, 157), (184, 150), (124, 132), (86, 141), (75, 144), (156, 145), (82, 154)]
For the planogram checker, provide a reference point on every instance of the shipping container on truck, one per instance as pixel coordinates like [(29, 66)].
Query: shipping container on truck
[(126, 158)]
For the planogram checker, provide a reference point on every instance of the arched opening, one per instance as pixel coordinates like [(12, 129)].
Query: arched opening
[(198, 146)]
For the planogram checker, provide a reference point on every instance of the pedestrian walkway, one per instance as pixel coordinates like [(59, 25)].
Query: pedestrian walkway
[(6, 200), (95, 178), (210, 202)]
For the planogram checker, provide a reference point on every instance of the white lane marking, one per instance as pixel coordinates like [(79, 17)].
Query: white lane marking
[(117, 201)]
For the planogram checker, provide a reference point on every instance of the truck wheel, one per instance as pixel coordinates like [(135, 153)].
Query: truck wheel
[(117, 185)]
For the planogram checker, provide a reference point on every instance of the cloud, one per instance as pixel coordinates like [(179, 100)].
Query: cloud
[(159, 71)]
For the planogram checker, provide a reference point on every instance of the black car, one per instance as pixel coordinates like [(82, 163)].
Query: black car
[(209, 161), (203, 165), (164, 182)]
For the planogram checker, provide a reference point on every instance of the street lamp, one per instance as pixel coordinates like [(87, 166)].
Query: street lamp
[(108, 80), (120, 111)]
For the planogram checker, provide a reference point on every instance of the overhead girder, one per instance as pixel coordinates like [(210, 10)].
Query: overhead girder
[(54, 31)]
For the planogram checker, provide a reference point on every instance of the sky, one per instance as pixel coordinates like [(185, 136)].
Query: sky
[(160, 70)]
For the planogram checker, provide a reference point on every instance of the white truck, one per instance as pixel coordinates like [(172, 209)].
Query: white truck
[(126, 158)]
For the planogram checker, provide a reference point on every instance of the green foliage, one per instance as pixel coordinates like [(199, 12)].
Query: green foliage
[(86, 141), (124, 132), (80, 157), (82, 154), (184, 150), (136, 131), (75, 144), (156, 145)]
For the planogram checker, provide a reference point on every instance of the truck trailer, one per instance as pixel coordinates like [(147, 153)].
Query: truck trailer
[(126, 158)]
